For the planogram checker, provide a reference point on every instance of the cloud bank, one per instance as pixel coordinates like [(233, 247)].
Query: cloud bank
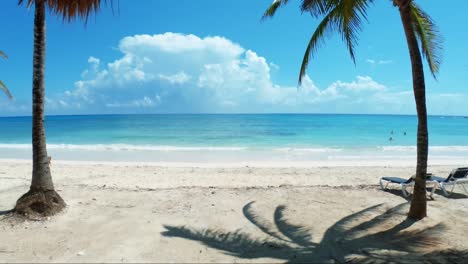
[(184, 73), (181, 73)]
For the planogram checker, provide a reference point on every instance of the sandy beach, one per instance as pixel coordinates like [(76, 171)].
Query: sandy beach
[(124, 212), (168, 133)]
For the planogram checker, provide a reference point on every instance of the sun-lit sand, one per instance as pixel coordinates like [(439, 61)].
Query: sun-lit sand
[(124, 212)]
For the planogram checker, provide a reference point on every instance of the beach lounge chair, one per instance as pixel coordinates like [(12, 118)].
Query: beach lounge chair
[(408, 183), (456, 177)]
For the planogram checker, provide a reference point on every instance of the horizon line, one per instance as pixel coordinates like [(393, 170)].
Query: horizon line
[(155, 114)]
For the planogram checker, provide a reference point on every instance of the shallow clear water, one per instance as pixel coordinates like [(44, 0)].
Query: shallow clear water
[(281, 136)]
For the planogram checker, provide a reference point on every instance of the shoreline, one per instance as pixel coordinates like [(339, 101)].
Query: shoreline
[(253, 164)]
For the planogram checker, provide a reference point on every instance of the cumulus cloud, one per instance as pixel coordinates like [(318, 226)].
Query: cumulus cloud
[(178, 78), (378, 62), (174, 72)]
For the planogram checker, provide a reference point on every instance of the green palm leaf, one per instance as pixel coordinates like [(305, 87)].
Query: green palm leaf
[(270, 12), (342, 16), (318, 7), (5, 89), (428, 36), (316, 39), (345, 17), (2, 85)]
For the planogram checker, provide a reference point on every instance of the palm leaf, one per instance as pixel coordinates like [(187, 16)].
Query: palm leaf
[(70, 10), (349, 14), (270, 12), (5, 89), (316, 39), (428, 35), (318, 7), (345, 17), (2, 85)]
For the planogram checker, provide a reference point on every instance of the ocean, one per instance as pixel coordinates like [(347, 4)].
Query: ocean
[(237, 137)]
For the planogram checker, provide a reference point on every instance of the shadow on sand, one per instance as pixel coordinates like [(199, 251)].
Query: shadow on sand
[(6, 212), (454, 195), (349, 240)]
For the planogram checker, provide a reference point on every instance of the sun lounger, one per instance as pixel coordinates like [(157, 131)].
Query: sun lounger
[(456, 177), (408, 183)]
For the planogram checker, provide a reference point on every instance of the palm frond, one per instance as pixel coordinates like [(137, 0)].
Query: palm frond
[(270, 12), (345, 17), (70, 9), (349, 14), (2, 85), (326, 25), (428, 36), (318, 7), (5, 90)]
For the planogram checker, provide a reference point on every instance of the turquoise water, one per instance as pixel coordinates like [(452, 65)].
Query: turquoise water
[(277, 133)]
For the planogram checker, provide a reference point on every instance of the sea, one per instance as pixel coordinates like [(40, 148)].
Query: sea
[(206, 138)]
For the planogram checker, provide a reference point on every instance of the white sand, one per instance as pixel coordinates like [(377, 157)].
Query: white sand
[(117, 212)]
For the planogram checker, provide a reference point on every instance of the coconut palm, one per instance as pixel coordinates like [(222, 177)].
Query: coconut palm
[(345, 17), (2, 85), (42, 198)]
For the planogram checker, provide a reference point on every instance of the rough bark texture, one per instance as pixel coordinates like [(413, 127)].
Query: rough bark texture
[(42, 197), (35, 204), (418, 209)]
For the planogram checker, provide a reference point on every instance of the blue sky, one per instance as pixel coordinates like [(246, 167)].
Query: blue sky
[(155, 56)]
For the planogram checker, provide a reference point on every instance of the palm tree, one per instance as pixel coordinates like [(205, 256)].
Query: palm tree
[(2, 85), (42, 199), (345, 17)]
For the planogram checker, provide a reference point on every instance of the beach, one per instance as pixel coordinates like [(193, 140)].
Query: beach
[(208, 212), (182, 135)]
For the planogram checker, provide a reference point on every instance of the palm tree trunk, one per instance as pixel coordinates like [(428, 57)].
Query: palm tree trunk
[(418, 208), (41, 198), (41, 177)]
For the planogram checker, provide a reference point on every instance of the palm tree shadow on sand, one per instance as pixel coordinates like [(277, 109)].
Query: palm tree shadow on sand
[(348, 240)]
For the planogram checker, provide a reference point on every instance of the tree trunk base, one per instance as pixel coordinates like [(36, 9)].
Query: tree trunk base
[(39, 204)]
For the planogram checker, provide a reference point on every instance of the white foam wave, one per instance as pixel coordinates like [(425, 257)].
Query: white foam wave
[(398, 148), (308, 150), (431, 148), (120, 147), (284, 150)]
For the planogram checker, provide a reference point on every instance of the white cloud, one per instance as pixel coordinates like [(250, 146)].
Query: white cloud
[(174, 72), (362, 83), (178, 78), (378, 62), (385, 62), (142, 102), (274, 66), (454, 95)]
